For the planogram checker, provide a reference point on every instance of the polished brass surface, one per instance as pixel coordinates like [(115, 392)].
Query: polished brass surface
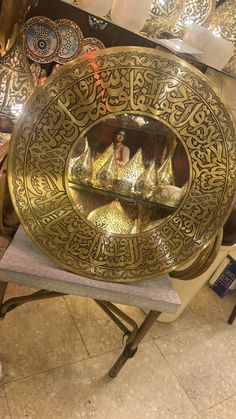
[(12, 16), (111, 218), (69, 34), (153, 224), (113, 194), (147, 182), (130, 174), (202, 262), (165, 175), (100, 161), (230, 68), (162, 17), (16, 81), (83, 93), (108, 174), (195, 11), (168, 195), (81, 168), (223, 22)]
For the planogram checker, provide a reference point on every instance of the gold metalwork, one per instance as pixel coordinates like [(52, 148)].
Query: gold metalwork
[(91, 44), (81, 168), (131, 172), (111, 218), (108, 174), (12, 16), (149, 83), (100, 161), (147, 182), (203, 260), (44, 45), (162, 17), (69, 35), (169, 195), (195, 11), (231, 66), (154, 224), (16, 81), (165, 173), (223, 22)]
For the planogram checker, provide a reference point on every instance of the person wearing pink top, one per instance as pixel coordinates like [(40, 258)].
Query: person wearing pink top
[(122, 151)]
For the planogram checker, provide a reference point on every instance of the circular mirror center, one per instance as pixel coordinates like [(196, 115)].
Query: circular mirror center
[(127, 174)]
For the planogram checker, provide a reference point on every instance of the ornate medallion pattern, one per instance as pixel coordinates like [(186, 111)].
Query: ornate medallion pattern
[(41, 39), (195, 11), (83, 93), (16, 82), (71, 39)]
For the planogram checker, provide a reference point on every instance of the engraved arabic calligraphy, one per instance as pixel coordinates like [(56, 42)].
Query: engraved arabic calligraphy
[(130, 80)]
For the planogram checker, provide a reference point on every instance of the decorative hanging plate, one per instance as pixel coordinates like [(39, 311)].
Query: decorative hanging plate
[(84, 93), (41, 39), (71, 39), (195, 11), (91, 44)]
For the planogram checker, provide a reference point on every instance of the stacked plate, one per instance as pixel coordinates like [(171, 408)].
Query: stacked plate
[(60, 41)]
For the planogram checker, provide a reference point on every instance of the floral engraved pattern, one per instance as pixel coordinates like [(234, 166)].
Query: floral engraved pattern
[(114, 81)]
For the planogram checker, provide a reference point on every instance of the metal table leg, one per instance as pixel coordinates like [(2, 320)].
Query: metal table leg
[(232, 315), (15, 302), (3, 287), (132, 344)]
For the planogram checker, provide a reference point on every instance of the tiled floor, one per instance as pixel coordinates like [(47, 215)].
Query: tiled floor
[(55, 355)]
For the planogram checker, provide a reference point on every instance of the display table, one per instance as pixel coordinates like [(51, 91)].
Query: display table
[(23, 263)]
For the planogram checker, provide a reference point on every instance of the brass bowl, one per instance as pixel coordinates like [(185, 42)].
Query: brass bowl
[(148, 83)]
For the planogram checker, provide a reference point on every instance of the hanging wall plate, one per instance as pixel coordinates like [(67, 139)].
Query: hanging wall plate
[(71, 39), (60, 116), (195, 11), (91, 44), (41, 39)]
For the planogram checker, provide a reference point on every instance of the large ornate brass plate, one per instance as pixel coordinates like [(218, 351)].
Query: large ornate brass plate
[(83, 93)]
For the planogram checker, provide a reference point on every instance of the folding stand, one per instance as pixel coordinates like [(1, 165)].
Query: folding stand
[(232, 315), (22, 263)]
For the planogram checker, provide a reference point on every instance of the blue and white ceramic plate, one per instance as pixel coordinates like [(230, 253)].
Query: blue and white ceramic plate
[(41, 39), (70, 40)]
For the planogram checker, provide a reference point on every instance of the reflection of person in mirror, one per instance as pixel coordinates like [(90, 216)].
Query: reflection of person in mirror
[(122, 151)]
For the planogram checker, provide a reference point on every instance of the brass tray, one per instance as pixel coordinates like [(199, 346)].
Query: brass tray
[(83, 93)]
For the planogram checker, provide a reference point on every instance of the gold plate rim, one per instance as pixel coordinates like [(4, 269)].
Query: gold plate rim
[(105, 274)]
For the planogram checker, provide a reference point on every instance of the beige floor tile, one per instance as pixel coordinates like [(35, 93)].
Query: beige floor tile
[(4, 412), (187, 320), (16, 290), (99, 332), (208, 306), (204, 361), (224, 410), (38, 336), (145, 388)]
